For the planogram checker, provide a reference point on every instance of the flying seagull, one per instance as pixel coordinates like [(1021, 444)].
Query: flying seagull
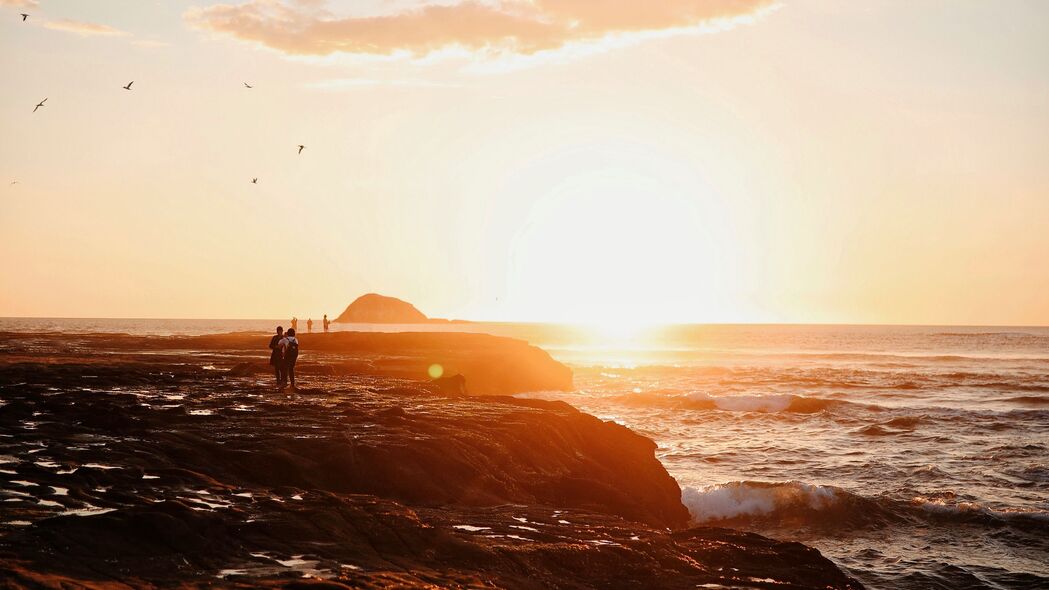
[(40, 104), (254, 181), (301, 147), (128, 87), (246, 85), (24, 16)]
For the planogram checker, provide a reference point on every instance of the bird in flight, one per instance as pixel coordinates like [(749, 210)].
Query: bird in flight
[(246, 85), (40, 104), (254, 181), (14, 182), (301, 147), (128, 87)]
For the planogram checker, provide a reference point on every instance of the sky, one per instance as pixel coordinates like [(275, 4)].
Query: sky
[(585, 161)]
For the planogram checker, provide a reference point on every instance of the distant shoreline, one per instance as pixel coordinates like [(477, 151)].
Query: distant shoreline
[(440, 321)]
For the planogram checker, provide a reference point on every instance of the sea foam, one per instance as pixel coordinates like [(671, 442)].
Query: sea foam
[(741, 498)]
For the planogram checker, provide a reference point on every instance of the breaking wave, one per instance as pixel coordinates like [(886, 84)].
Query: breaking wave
[(976, 513), (754, 500), (739, 403), (803, 504)]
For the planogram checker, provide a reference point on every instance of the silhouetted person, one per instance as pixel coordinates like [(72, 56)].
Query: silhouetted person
[(294, 323), (289, 346), (326, 322), (309, 326), (277, 357)]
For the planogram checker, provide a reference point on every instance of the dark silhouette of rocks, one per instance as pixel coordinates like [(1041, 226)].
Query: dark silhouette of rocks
[(453, 385), (362, 480), (380, 309), (490, 364)]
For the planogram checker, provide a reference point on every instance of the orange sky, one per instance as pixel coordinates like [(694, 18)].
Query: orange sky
[(553, 160)]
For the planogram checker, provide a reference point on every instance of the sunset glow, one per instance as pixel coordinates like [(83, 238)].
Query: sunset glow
[(745, 162), (544, 294)]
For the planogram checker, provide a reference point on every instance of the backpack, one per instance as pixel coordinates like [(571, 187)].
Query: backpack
[(292, 352)]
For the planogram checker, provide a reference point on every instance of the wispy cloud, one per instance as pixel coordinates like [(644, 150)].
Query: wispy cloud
[(342, 84), (516, 27), (20, 3), (83, 28)]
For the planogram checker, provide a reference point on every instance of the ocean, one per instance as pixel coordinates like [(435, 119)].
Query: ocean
[(912, 456)]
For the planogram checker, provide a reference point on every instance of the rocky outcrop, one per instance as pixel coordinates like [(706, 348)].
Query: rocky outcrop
[(380, 309), (164, 470), (489, 364), (454, 385), (406, 443), (331, 542)]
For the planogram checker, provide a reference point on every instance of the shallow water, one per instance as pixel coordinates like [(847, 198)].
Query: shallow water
[(914, 457)]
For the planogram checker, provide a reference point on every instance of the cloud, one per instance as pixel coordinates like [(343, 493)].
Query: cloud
[(82, 28), (336, 84), (20, 3), (522, 27)]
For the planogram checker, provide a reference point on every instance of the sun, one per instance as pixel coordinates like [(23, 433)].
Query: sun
[(618, 252)]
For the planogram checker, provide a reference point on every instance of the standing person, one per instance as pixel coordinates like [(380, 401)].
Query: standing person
[(277, 357), (289, 346), (294, 323), (326, 322), (309, 326)]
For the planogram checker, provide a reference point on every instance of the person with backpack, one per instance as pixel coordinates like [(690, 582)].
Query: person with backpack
[(289, 347)]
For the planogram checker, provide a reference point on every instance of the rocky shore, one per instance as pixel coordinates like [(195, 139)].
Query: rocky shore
[(491, 364), (161, 462)]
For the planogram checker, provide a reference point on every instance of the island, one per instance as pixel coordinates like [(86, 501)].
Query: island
[(380, 309)]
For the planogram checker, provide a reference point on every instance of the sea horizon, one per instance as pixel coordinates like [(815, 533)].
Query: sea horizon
[(454, 321)]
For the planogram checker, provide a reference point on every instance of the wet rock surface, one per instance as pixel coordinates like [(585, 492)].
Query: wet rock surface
[(489, 364), (170, 471)]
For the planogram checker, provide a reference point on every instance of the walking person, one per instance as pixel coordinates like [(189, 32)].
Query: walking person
[(294, 323), (277, 357), (309, 326), (289, 346)]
